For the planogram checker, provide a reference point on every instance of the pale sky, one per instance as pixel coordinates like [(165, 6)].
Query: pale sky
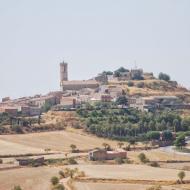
[(92, 36)]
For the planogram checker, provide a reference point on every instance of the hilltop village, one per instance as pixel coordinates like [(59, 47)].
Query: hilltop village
[(142, 90), (125, 129)]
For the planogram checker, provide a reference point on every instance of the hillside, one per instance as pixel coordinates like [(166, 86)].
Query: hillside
[(153, 87)]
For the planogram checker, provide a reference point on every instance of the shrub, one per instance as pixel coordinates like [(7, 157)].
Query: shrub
[(130, 83), (157, 187), (59, 187), (140, 85), (62, 174), (163, 76), (54, 180), (142, 157), (1, 161), (181, 175), (128, 161), (180, 141), (119, 160), (72, 161), (17, 188), (74, 148), (154, 164)]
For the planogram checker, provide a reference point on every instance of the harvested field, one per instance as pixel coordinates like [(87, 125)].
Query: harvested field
[(56, 141), (12, 148), (130, 172), (114, 186), (158, 155), (27, 178)]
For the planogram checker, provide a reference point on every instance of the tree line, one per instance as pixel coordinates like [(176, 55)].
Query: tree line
[(126, 123)]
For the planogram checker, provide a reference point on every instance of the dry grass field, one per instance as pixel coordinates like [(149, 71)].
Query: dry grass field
[(39, 178), (158, 155), (56, 141), (11, 147), (27, 178), (114, 186), (130, 172)]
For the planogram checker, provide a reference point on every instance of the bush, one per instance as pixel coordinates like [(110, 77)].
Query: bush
[(59, 187), (17, 188), (154, 164), (127, 161), (181, 175), (142, 157), (140, 84), (62, 174), (130, 83), (54, 180), (119, 160), (180, 141), (72, 161), (1, 161), (157, 187), (163, 76), (74, 148)]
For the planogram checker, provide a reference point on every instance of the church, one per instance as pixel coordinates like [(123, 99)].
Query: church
[(74, 85)]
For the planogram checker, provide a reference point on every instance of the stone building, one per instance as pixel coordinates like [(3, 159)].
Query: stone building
[(74, 85), (78, 85), (157, 102), (63, 71), (99, 154)]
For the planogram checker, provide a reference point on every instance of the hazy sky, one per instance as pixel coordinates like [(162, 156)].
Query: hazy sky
[(92, 36)]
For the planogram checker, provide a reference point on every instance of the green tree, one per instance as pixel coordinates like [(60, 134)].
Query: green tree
[(163, 76), (73, 148), (176, 125), (122, 70), (142, 157), (167, 135), (122, 100), (107, 72), (62, 174), (153, 135), (54, 180), (181, 175), (132, 141), (180, 141), (130, 83)]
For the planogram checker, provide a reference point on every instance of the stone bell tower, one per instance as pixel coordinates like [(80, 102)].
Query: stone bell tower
[(63, 72)]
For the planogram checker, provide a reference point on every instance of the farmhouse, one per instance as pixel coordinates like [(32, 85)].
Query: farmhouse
[(100, 154)]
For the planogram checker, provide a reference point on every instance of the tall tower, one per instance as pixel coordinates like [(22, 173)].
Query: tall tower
[(63, 72)]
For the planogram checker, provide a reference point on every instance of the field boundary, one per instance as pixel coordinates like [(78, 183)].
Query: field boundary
[(130, 181)]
